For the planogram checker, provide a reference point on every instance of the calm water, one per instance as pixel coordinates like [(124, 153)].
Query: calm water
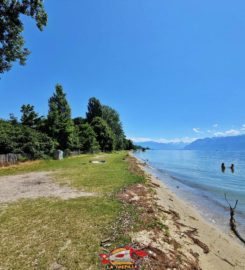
[(197, 177)]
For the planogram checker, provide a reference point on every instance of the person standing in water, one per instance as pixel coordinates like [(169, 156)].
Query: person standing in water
[(232, 168), (223, 167)]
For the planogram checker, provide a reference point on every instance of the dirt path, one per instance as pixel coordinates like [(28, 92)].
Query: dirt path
[(34, 185)]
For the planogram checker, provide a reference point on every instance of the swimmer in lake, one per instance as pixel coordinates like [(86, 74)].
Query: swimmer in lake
[(223, 167)]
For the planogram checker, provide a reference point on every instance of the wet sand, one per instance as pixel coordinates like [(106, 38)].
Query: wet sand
[(225, 252)]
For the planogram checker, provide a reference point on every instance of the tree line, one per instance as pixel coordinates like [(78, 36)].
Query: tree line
[(37, 136)]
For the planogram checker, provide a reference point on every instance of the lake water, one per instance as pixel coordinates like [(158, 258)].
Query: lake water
[(196, 176)]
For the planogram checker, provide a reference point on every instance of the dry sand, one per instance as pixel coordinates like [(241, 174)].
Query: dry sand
[(225, 252), (34, 185)]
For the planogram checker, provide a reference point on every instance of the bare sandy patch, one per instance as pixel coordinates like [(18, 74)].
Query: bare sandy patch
[(35, 185)]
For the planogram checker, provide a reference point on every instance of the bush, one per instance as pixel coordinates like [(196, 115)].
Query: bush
[(18, 139)]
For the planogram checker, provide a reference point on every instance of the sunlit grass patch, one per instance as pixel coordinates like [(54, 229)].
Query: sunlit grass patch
[(105, 178), (46, 233), (36, 234)]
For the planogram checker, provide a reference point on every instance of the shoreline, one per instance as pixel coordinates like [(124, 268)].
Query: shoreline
[(202, 200), (210, 209), (225, 251), (197, 179)]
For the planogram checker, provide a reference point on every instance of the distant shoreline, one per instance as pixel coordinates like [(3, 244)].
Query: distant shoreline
[(222, 246)]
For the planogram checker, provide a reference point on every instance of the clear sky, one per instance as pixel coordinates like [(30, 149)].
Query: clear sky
[(173, 69)]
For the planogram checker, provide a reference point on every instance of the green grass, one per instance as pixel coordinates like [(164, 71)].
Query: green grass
[(80, 173), (34, 234)]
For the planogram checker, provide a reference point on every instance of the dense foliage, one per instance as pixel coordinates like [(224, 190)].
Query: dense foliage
[(112, 118), (29, 116), (104, 134), (87, 139), (38, 136), (19, 139), (60, 126), (94, 109), (11, 41)]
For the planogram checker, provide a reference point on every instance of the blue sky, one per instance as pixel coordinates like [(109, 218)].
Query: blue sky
[(173, 69)]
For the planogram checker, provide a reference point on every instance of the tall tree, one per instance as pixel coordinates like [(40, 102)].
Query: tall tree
[(11, 40), (94, 109), (129, 145), (112, 118), (78, 121), (104, 135), (29, 116), (59, 122), (88, 141)]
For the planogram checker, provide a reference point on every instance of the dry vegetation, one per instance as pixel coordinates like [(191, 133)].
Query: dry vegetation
[(154, 233)]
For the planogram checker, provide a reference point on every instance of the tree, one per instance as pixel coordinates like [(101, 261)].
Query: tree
[(87, 139), (94, 109), (78, 121), (13, 119), (35, 144), (103, 133), (59, 123), (11, 40), (19, 139), (129, 145), (41, 124), (29, 116), (112, 118)]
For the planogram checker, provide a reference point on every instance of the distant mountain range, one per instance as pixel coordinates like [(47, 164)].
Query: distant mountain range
[(162, 146), (231, 143), (218, 143)]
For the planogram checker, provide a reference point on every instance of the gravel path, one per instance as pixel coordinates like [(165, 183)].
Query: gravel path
[(34, 185)]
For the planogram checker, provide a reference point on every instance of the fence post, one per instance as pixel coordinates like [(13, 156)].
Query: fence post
[(8, 159)]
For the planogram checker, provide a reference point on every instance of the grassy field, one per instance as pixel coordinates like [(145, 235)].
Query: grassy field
[(65, 234)]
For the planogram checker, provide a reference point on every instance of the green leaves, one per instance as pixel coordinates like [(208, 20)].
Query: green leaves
[(19, 139), (11, 41), (94, 109), (87, 138), (104, 135), (112, 118), (29, 116), (59, 122), (38, 137)]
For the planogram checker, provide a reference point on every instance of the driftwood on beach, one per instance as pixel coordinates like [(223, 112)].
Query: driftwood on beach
[(233, 221)]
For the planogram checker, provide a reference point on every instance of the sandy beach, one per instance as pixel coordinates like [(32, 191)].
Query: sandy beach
[(215, 250)]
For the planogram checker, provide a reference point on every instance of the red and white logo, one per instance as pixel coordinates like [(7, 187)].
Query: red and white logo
[(123, 258)]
